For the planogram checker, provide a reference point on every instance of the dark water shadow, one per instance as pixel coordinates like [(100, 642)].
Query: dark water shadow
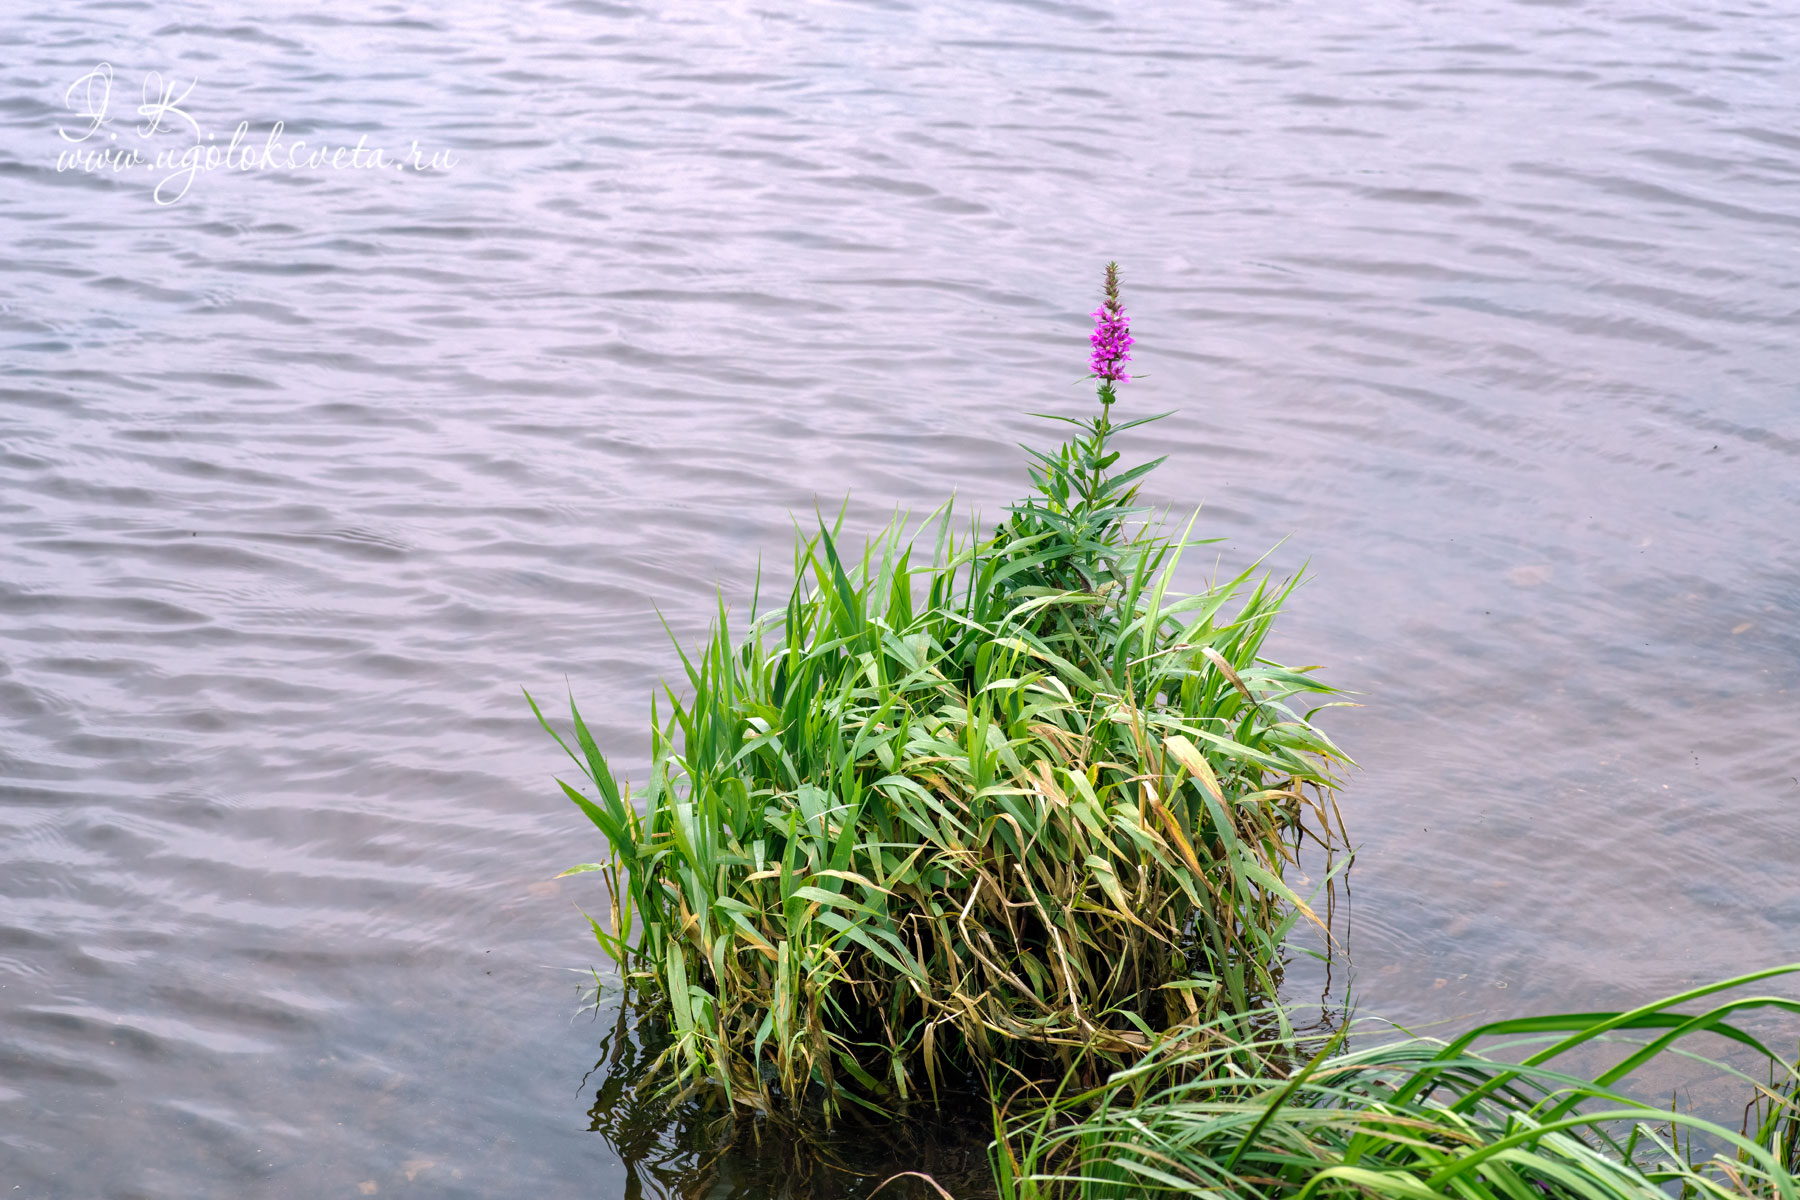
[(695, 1148)]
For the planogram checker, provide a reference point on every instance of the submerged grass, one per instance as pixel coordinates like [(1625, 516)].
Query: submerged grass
[(1214, 1113), (696, 1146), (966, 800)]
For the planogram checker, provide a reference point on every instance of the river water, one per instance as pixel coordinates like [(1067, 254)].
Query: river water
[(1487, 309)]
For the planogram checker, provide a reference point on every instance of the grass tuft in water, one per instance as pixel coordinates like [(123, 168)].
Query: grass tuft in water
[(966, 801), (1214, 1113)]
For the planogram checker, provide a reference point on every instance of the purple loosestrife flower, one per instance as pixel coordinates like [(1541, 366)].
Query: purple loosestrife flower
[(1111, 338), (1112, 345)]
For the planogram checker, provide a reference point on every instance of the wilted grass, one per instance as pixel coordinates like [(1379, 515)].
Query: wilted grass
[(1215, 1113), (965, 800)]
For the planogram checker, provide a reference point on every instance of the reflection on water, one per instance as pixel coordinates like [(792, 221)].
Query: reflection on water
[(1486, 309), (693, 1149)]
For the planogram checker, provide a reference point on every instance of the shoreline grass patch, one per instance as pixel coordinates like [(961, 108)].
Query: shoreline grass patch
[(1213, 1113), (967, 800)]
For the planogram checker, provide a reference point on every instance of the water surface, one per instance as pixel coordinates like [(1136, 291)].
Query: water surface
[(1487, 309)]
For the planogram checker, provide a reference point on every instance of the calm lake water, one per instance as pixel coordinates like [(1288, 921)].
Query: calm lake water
[(1488, 310)]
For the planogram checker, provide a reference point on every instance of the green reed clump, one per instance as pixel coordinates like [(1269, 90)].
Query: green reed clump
[(1214, 1112), (966, 800)]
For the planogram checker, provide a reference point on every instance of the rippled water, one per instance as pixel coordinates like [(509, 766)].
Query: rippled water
[(1488, 309)]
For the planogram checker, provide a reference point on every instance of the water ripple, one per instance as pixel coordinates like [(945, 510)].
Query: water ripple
[(1484, 310)]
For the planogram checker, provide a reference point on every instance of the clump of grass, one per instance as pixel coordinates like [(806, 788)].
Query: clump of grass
[(1211, 1112), (966, 800)]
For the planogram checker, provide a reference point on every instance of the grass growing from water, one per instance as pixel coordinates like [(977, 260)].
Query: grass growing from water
[(966, 800), (1006, 806), (1216, 1113)]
